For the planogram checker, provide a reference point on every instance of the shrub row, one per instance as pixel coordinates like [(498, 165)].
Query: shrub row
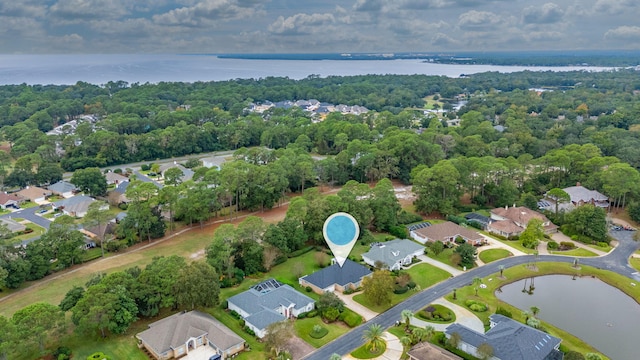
[(300, 252), (476, 306)]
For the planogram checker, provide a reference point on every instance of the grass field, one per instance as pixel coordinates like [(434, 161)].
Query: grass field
[(635, 262), (305, 326), (363, 352), (574, 252), (516, 244), (444, 257), (490, 255)]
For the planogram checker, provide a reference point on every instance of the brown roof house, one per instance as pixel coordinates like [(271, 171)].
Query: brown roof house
[(35, 194), (115, 178), (10, 200), (512, 221), (427, 351), (447, 232), (178, 334)]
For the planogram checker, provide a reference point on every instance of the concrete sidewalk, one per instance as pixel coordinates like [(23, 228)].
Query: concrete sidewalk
[(353, 305), (450, 269)]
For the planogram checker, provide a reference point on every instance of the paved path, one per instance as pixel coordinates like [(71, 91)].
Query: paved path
[(448, 268), (355, 306), (560, 237), (616, 261), (463, 317)]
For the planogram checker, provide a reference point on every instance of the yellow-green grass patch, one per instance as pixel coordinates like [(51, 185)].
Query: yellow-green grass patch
[(304, 327), (490, 255), (575, 252)]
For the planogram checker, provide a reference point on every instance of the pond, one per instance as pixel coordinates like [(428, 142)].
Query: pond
[(588, 308)]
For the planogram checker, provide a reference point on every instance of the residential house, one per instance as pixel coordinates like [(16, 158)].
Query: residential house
[(427, 351), (117, 196), (336, 278), (63, 188), (580, 195), (512, 221), (8, 201), (175, 336), (393, 254), (447, 232), (76, 206), (12, 225), (115, 178), (480, 219), (509, 339), (269, 302), (188, 173), (35, 194)]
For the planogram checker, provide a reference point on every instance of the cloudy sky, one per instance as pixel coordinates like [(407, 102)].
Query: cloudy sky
[(306, 26)]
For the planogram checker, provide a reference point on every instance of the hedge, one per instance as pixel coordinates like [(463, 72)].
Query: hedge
[(300, 252)]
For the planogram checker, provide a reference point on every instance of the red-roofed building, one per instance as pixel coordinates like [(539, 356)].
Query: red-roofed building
[(512, 221), (10, 200)]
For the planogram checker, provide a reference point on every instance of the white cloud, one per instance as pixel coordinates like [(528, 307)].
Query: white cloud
[(206, 12), (546, 14), (301, 24), (475, 20), (630, 33), (71, 11)]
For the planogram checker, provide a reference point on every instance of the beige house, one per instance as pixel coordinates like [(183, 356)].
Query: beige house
[(447, 232), (35, 194), (512, 221), (178, 334), (10, 201)]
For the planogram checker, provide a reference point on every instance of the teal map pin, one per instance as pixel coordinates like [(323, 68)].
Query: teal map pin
[(341, 232)]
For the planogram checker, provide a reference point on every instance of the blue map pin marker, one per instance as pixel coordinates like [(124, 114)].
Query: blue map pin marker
[(341, 232)]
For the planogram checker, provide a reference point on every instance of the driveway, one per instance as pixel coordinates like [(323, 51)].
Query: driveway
[(353, 305), (200, 353)]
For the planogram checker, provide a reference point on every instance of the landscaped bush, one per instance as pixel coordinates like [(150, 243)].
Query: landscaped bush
[(399, 231), (312, 313), (400, 290), (411, 285), (476, 306), (249, 331), (241, 322), (308, 289), (603, 244), (62, 353), (318, 332), (331, 314), (475, 224), (145, 167), (552, 245), (302, 315), (504, 312), (457, 219), (350, 318), (235, 314), (348, 291), (460, 240), (224, 304), (567, 245), (98, 356), (405, 217)]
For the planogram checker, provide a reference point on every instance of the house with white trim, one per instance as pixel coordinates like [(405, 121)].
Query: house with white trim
[(393, 254), (269, 302)]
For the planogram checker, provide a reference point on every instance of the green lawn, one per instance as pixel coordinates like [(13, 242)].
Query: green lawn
[(544, 268), (635, 262), (305, 326), (37, 231), (424, 275), (574, 252), (601, 248), (444, 257), (440, 309), (28, 204), (490, 255), (363, 352), (516, 244)]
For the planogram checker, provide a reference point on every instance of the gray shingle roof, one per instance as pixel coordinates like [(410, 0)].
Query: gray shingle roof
[(350, 272), (264, 318), (175, 330), (391, 251), (75, 204), (62, 187), (510, 340), (581, 193), (254, 302)]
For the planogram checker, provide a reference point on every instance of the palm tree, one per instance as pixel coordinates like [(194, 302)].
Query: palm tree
[(534, 310), (418, 335), (429, 331), (476, 282), (335, 356), (501, 267), (406, 318), (373, 337), (406, 343), (527, 315)]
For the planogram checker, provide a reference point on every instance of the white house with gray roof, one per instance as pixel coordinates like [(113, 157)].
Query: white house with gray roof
[(76, 206), (393, 254), (63, 188), (509, 339), (336, 278), (268, 302), (175, 336)]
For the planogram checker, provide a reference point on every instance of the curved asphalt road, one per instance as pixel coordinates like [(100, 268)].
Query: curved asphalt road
[(616, 261)]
